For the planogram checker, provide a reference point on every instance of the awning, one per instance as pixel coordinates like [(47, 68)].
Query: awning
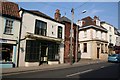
[(39, 37)]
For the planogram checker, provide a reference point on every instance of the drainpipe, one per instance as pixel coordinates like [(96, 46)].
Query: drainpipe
[(19, 38)]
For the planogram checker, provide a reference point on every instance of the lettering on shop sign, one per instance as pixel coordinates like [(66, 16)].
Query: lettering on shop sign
[(3, 41)]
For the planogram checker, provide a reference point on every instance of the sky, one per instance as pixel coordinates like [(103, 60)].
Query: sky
[(106, 11)]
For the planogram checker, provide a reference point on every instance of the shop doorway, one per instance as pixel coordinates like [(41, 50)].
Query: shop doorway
[(44, 53)]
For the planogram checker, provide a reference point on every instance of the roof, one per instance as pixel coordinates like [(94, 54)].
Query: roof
[(89, 21), (103, 22), (38, 13), (10, 9), (65, 19)]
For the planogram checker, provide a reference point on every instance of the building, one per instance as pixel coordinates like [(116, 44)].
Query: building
[(92, 39), (67, 23), (112, 36), (117, 44), (42, 39), (9, 33)]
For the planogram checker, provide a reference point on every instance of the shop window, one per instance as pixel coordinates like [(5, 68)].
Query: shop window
[(6, 53), (32, 51), (53, 52)]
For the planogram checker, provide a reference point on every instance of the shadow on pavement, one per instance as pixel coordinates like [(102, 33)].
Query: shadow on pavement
[(111, 72)]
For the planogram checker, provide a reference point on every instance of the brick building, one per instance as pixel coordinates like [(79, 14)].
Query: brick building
[(67, 23)]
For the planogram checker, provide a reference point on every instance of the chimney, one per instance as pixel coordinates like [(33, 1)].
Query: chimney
[(57, 15), (97, 20)]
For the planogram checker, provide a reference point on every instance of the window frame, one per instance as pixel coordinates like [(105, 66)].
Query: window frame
[(85, 47), (42, 29), (8, 27), (60, 33)]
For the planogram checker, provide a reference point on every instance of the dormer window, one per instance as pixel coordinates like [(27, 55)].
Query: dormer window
[(97, 22)]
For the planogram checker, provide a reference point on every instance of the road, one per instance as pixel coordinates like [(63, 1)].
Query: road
[(98, 70)]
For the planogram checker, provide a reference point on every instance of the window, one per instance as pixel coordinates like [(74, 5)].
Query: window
[(85, 33), (53, 52), (8, 26), (59, 32), (105, 48), (110, 29), (32, 51), (85, 47), (97, 34), (101, 48), (40, 28), (37, 50), (110, 38)]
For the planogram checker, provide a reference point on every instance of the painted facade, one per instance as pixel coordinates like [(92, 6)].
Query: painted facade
[(112, 36), (48, 41), (92, 39), (9, 33)]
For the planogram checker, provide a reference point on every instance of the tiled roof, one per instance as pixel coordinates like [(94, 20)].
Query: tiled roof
[(87, 21), (38, 13), (9, 9), (65, 19)]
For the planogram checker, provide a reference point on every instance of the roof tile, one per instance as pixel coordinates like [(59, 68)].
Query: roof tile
[(10, 9)]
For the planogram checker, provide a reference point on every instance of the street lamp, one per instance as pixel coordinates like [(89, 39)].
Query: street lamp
[(77, 28), (71, 32)]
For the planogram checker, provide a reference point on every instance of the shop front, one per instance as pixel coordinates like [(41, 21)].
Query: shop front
[(7, 53), (41, 51)]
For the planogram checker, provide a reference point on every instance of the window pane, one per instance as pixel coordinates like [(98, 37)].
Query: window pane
[(8, 27), (59, 32), (40, 28)]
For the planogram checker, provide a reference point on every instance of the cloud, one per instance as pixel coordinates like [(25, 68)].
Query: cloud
[(95, 11)]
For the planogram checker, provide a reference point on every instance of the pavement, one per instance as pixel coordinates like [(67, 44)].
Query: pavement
[(82, 62)]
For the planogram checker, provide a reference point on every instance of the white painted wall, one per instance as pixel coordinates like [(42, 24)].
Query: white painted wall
[(28, 25), (84, 54), (113, 40), (92, 34), (16, 25)]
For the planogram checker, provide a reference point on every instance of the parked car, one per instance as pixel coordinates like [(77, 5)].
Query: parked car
[(114, 58)]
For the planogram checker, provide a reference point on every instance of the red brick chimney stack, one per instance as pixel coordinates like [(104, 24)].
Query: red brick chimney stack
[(57, 15)]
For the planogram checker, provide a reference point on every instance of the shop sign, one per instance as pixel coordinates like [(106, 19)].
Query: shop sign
[(3, 41)]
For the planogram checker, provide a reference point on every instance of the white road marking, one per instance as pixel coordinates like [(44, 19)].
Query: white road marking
[(102, 66), (79, 73)]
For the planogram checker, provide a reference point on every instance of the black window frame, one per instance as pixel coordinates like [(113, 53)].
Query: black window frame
[(59, 32), (40, 27)]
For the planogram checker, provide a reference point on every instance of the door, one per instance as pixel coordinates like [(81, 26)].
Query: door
[(44, 53), (98, 50)]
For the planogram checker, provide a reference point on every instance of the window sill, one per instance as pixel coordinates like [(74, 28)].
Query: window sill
[(7, 34)]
